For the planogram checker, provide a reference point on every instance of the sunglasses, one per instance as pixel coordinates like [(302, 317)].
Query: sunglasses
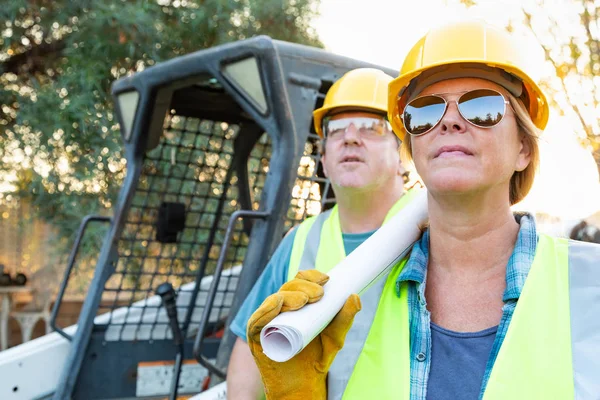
[(483, 108), (365, 126)]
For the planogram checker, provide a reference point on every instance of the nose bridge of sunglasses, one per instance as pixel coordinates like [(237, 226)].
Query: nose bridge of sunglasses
[(453, 111)]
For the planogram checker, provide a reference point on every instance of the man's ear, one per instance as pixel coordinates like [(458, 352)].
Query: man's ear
[(401, 169), (324, 164), (322, 145)]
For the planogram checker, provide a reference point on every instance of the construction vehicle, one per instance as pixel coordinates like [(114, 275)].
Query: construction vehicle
[(222, 160)]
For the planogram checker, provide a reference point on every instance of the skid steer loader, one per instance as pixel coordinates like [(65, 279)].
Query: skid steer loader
[(222, 160)]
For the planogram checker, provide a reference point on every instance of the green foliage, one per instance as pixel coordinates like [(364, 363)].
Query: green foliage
[(61, 146)]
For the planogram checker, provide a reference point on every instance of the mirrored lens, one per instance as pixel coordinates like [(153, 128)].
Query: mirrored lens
[(423, 113), (483, 107), (365, 126)]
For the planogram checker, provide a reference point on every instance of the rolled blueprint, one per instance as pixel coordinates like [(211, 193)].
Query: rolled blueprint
[(288, 333)]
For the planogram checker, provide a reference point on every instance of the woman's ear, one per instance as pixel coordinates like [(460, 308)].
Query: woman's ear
[(524, 156)]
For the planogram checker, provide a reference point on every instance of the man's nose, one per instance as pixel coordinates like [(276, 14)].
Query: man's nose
[(352, 135)]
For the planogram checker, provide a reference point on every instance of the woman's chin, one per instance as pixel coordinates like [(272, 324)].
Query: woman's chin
[(451, 184)]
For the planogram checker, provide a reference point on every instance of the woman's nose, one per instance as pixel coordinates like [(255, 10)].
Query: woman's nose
[(452, 121)]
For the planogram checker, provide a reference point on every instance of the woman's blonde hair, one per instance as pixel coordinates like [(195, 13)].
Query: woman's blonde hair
[(521, 181)]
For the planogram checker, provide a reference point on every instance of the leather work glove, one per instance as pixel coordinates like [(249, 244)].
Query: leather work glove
[(305, 375)]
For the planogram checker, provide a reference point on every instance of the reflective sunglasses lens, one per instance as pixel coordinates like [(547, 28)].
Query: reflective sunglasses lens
[(423, 113), (483, 107)]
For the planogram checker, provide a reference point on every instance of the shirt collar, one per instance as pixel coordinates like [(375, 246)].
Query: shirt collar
[(517, 268)]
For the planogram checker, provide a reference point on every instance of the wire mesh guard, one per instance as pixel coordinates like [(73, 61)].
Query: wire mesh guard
[(193, 166)]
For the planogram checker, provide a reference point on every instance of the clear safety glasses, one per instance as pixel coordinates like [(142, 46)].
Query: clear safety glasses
[(368, 127)]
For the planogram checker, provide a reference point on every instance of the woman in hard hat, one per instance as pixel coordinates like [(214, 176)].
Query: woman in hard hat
[(485, 306)]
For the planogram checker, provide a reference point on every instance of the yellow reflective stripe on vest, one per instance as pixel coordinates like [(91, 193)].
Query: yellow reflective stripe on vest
[(383, 368), (330, 254), (298, 246), (534, 361)]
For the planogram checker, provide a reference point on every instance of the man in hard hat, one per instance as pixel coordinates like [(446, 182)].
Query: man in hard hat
[(361, 159)]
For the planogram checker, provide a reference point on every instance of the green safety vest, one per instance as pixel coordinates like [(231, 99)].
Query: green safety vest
[(551, 349), (318, 243)]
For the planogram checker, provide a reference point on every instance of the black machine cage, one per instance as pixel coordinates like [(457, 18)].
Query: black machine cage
[(222, 160)]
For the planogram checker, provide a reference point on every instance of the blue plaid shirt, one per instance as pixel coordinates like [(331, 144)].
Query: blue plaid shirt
[(415, 273)]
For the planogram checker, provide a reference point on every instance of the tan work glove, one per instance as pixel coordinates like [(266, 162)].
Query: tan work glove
[(305, 375)]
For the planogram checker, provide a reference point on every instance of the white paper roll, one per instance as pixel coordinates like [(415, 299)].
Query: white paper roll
[(288, 333)]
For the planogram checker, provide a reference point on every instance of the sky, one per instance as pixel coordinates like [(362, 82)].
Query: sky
[(382, 32)]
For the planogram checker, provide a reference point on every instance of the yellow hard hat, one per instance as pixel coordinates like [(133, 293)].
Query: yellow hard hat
[(483, 50), (362, 88)]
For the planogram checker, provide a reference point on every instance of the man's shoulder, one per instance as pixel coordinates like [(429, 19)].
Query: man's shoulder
[(312, 218), (284, 249)]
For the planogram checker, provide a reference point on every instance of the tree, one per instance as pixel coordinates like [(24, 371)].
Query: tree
[(61, 147), (569, 34)]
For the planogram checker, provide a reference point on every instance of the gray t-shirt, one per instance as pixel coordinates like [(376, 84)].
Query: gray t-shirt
[(458, 361)]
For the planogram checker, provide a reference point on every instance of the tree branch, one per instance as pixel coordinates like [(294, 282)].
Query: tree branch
[(588, 130), (32, 60), (592, 44)]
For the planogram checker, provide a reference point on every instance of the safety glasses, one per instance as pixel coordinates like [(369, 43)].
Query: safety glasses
[(483, 108), (366, 126)]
